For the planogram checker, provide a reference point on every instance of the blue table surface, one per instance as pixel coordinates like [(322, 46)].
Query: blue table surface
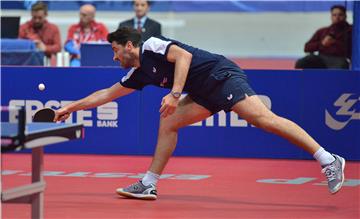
[(11, 129)]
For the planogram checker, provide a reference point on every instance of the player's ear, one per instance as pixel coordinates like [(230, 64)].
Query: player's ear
[(129, 45)]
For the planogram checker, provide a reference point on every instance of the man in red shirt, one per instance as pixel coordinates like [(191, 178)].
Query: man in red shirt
[(45, 34), (87, 30), (333, 43)]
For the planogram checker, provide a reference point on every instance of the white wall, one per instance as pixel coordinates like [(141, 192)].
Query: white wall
[(232, 34)]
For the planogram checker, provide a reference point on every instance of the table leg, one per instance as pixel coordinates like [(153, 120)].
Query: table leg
[(37, 203)]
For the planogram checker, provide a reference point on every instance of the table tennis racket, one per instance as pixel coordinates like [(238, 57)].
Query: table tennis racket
[(44, 115)]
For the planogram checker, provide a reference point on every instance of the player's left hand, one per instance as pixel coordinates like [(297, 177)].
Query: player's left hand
[(168, 105)]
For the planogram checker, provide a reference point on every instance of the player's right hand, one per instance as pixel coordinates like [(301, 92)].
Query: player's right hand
[(168, 105), (61, 115)]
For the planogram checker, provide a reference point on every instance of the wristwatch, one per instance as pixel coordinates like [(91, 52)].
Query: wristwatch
[(175, 94)]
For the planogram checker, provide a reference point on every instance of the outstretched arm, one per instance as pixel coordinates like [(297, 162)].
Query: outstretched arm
[(93, 100)]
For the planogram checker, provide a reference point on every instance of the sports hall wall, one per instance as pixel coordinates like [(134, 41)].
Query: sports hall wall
[(246, 29), (326, 103)]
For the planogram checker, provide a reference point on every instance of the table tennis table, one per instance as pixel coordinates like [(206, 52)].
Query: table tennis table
[(35, 137)]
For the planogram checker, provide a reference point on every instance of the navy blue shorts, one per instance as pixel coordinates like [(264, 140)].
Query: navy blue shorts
[(223, 88)]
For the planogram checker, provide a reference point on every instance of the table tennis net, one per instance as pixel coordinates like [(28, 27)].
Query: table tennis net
[(13, 123)]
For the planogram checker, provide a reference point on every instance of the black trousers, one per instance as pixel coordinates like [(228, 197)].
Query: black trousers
[(322, 61)]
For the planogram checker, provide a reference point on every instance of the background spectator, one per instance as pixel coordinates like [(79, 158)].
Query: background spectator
[(87, 30), (141, 22), (333, 44), (45, 34)]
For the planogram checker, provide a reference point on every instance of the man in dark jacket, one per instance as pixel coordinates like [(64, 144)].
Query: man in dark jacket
[(146, 27), (333, 44)]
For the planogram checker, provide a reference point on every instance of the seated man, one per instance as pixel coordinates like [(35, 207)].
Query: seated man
[(45, 34), (333, 44), (87, 30), (141, 22)]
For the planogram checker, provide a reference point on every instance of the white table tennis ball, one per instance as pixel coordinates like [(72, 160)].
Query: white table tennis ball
[(41, 86)]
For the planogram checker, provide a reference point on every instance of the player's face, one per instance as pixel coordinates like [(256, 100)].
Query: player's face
[(141, 8), (123, 55), (38, 18), (337, 16)]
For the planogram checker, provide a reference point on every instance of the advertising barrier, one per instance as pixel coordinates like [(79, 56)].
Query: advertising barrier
[(326, 103)]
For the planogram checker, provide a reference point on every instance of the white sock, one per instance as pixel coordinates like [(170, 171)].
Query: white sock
[(323, 157), (150, 178)]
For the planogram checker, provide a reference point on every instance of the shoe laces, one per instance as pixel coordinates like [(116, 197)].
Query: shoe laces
[(330, 172), (135, 186)]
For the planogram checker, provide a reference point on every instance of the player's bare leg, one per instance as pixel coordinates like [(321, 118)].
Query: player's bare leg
[(187, 112), (255, 112)]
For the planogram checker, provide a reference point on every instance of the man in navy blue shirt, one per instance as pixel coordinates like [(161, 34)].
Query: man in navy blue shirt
[(212, 83)]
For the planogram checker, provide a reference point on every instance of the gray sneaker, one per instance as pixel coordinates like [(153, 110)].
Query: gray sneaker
[(138, 190), (334, 173)]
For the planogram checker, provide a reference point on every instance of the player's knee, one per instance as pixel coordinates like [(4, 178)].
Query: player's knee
[(168, 127), (268, 123)]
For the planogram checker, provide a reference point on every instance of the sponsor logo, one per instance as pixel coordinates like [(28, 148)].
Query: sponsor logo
[(106, 175), (154, 70), (346, 112), (103, 116), (231, 119), (192, 177), (229, 97)]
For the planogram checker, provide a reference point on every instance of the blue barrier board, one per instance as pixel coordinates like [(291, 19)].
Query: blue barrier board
[(326, 103)]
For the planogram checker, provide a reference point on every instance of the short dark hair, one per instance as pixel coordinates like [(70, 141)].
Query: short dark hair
[(123, 35), (39, 6), (148, 2), (340, 7)]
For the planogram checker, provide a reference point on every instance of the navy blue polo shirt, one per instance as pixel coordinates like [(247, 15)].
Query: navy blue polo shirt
[(156, 70)]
